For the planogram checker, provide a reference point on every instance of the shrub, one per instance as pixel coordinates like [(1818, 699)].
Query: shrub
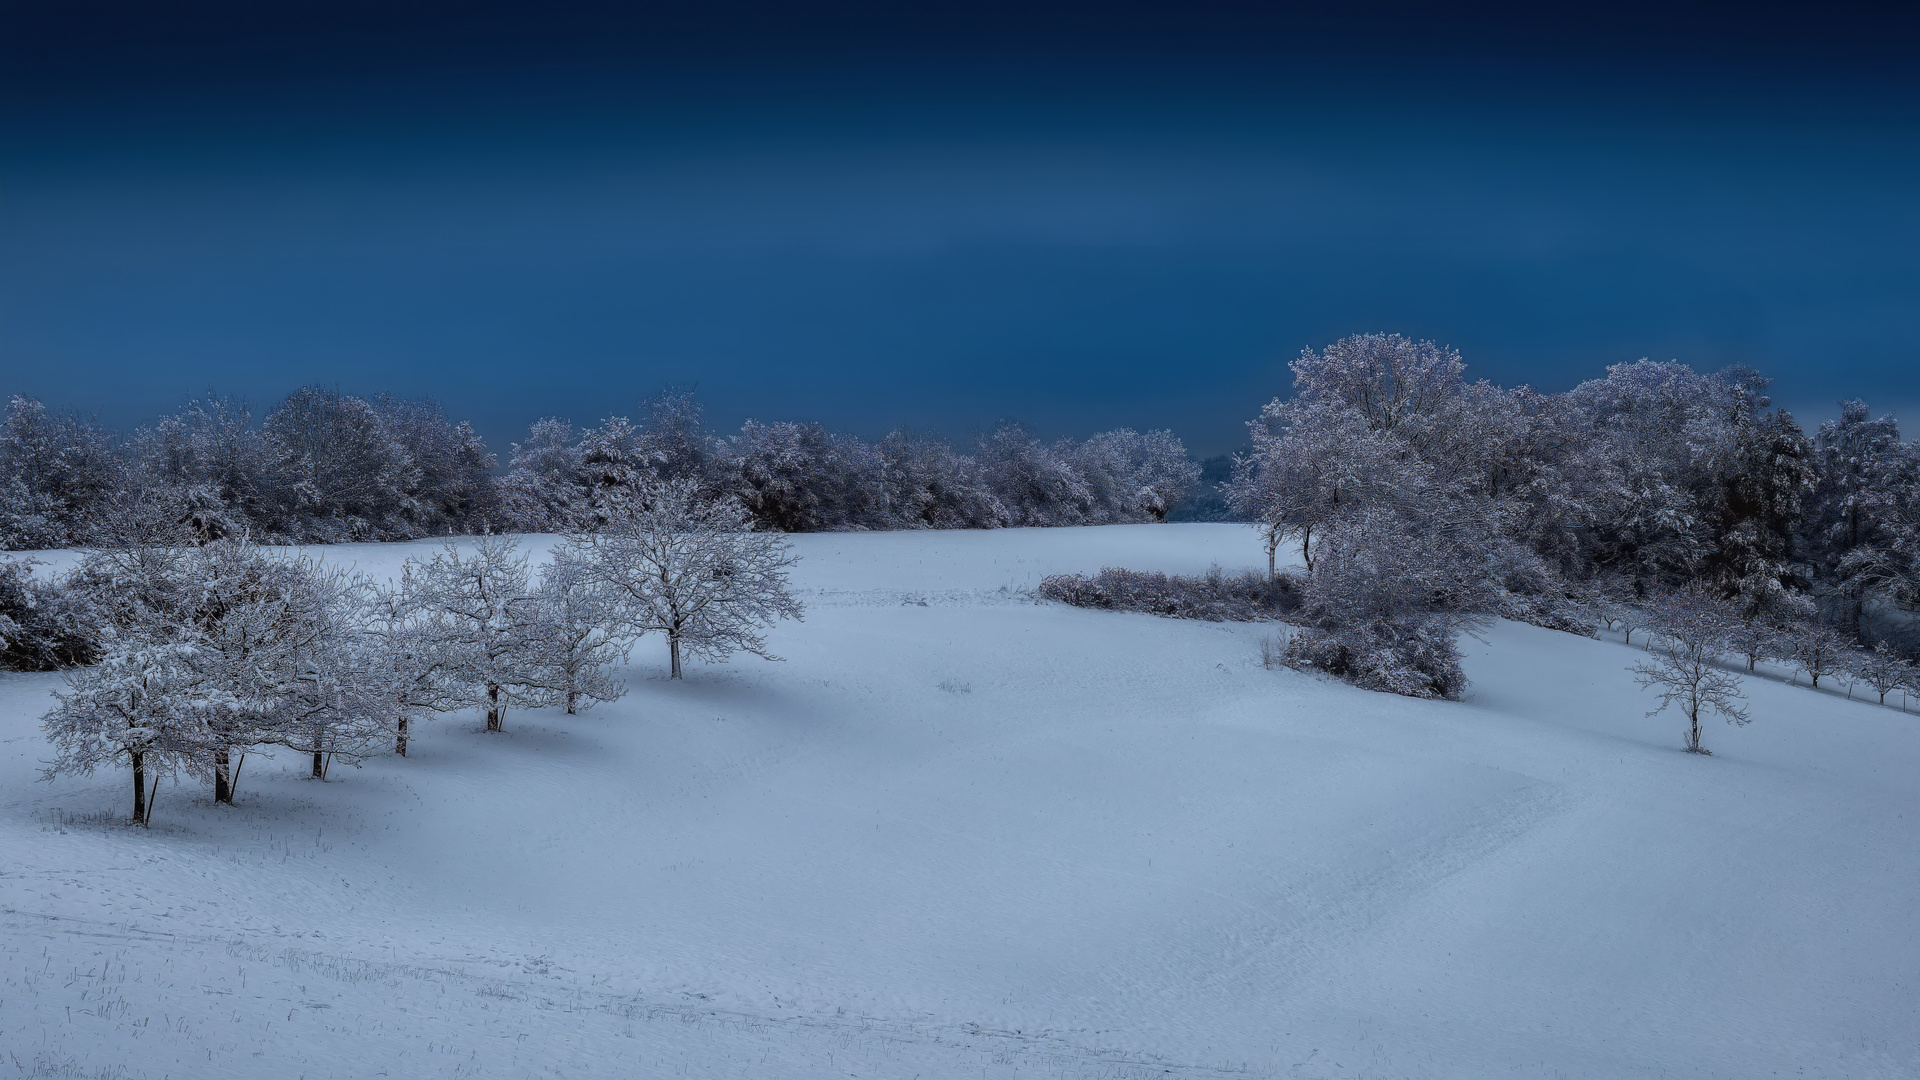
[(1214, 596), (43, 625), (1414, 659)]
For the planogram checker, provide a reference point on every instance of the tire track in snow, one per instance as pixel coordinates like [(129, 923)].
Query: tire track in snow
[(535, 1003)]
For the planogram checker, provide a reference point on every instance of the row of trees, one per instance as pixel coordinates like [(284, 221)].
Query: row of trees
[(1700, 642), (323, 467), (800, 477), (1423, 502), (319, 467), (209, 650)]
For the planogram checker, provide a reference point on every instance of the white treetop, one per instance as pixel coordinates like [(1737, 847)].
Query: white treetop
[(690, 566), (480, 611)]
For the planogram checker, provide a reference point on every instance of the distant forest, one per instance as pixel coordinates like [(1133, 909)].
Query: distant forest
[(327, 467)]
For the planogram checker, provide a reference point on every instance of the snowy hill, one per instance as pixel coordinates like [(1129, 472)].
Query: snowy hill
[(960, 834)]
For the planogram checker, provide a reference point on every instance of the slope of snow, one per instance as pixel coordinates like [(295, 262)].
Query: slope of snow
[(956, 833)]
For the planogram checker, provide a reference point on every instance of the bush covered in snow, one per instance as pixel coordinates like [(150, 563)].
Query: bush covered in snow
[(1412, 659), (1214, 596), (44, 626)]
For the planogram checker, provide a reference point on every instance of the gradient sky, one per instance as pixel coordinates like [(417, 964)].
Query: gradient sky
[(1084, 216)]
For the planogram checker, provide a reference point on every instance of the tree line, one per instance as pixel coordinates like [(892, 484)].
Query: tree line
[(325, 467)]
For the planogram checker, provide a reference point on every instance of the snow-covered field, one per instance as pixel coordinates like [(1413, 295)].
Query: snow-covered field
[(959, 834)]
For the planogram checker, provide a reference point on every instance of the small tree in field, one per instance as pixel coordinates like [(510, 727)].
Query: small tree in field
[(1685, 669), (674, 559), (1754, 640), (1817, 650), (572, 639), (479, 612), (408, 670), (1885, 670), (135, 707)]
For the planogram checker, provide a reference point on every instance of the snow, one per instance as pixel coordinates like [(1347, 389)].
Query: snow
[(957, 833)]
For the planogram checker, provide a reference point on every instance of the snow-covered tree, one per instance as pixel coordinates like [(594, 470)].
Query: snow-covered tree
[(574, 639), (479, 612), (1136, 477), (332, 707), (1885, 670), (338, 467), (407, 668), (929, 485), (678, 561), (138, 707), (57, 471), (544, 489), (211, 650), (206, 463), (43, 624), (803, 478), (1685, 669), (337, 471), (1314, 464), (1816, 650), (1754, 640), (1387, 599), (1033, 482), (1395, 384), (674, 440), (453, 488), (1618, 608), (613, 463)]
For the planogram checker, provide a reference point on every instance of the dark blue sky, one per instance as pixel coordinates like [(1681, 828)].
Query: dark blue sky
[(1084, 216)]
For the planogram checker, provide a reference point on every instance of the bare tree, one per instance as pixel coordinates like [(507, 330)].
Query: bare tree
[(1816, 650), (1755, 639), (1885, 670), (1685, 669), (675, 560), (1621, 614)]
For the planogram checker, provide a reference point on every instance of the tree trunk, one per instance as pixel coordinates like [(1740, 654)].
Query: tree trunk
[(222, 783), (139, 788), (496, 709), (319, 757), (400, 737), (673, 650), (573, 702)]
